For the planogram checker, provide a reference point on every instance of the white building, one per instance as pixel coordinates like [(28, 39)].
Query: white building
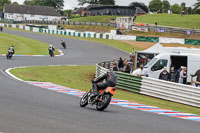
[(27, 12)]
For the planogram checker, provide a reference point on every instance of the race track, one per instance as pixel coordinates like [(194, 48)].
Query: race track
[(29, 109)]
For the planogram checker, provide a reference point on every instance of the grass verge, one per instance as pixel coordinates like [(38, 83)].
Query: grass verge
[(113, 43), (97, 19), (79, 77), (23, 45), (84, 28), (173, 20)]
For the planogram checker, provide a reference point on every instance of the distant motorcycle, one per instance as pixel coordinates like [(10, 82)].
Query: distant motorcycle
[(102, 100), (10, 54), (63, 44), (51, 53)]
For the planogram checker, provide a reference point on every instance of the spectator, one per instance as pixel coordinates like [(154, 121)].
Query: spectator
[(120, 63), (177, 75), (131, 62), (164, 75), (133, 52), (197, 73), (114, 61), (183, 76), (126, 67), (114, 66), (182, 13), (1, 28), (118, 12), (140, 72), (156, 24), (134, 19)]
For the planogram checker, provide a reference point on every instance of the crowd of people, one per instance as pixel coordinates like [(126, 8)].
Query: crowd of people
[(127, 66), (124, 65)]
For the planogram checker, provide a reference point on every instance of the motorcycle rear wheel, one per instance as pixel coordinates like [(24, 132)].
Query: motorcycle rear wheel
[(84, 100), (101, 105)]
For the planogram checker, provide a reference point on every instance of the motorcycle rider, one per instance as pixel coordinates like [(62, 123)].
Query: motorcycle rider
[(11, 48), (110, 81), (51, 49), (63, 43)]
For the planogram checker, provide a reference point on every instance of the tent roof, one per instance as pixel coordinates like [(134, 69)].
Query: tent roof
[(157, 48)]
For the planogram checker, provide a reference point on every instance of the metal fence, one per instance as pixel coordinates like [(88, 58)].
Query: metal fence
[(162, 29), (57, 23), (165, 29)]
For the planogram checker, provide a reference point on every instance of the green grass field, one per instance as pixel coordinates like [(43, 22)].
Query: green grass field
[(98, 19), (22, 45), (79, 77), (113, 43), (172, 20), (84, 28)]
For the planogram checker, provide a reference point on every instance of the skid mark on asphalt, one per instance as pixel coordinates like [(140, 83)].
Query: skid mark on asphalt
[(118, 102)]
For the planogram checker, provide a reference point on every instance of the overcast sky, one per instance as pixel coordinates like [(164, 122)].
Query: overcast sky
[(70, 4)]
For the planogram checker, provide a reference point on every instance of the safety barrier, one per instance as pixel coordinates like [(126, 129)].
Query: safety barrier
[(125, 81), (185, 94), (68, 32)]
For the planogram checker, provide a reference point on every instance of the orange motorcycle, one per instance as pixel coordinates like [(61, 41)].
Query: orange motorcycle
[(102, 100)]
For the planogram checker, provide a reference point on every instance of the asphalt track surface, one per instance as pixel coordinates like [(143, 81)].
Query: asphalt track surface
[(29, 109)]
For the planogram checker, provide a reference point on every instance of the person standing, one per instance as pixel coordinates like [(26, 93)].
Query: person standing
[(197, 73), (177, 75), (120, 63), (140, 72), (132, 56), (183, 76), (126, 67), (156, 24)]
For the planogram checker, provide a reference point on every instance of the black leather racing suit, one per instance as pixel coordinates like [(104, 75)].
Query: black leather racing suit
[(110, 81)]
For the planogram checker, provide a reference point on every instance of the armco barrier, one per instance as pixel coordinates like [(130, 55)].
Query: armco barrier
[(185, 94), (176, 92), (128, 82), (125, 81)]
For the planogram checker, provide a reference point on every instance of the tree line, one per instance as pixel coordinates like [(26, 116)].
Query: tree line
[(164, 6), (159, 6)]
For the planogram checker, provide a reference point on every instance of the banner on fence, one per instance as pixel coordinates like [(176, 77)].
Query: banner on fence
[(161, 30), (192, 42), (171, 40), (135, 28), (147, 39)]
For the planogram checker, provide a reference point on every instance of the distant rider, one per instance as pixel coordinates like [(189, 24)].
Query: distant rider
[(12, 49), (110, 81), (51, 50), (63, 43)]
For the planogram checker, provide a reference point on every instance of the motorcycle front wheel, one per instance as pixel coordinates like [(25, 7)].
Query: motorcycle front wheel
[(105, 101), (84, 100)]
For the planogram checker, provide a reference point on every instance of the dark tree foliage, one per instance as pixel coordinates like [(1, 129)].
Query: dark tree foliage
[(141, 5), (103, 2), (2, 2), (197, 7), (155, 6)]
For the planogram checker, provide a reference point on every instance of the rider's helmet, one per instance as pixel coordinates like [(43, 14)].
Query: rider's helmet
[(50, 46)]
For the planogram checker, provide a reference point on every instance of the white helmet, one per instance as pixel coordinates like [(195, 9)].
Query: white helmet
[(50, 45)]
